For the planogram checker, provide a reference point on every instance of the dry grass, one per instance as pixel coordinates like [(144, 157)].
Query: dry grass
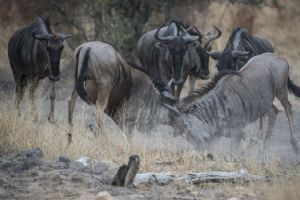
[(28, 130), (23, 131)]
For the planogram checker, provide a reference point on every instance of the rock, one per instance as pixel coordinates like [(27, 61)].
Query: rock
[(86, 161), (104, 195), (64, 159), (100, 168), (19, 164), (78, 166), (233, 198), (30, 153)]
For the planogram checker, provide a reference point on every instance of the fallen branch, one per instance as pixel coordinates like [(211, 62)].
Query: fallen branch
[(194, 178)]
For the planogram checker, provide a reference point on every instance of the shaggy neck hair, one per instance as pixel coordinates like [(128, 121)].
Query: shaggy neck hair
[(196, 94)]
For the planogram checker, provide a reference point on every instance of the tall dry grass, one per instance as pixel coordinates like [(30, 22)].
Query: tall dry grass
[(158, 152)]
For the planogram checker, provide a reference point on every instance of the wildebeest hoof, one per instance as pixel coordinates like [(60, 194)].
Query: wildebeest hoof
[(92, 127), (69, 138), (51, 119)]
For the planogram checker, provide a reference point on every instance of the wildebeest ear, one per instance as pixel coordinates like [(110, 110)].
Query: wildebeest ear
[(41, 37), (160, 44), (214, 54)]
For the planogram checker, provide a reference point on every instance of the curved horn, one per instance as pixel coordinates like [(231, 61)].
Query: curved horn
[(186, 30), (63, 36), (210, 39), (198, 32), (190, 38), (161, 38), (42, 36), (236, 54)]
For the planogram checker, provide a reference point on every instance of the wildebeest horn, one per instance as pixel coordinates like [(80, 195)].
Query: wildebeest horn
[(236, 54), (210, 39), (186, 30), (161, 38), (42, 36), (190, 38), (63, 36), (198, 32)]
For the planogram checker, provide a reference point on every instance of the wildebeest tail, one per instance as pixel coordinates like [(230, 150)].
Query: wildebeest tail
[(80, 78), (293, 87)]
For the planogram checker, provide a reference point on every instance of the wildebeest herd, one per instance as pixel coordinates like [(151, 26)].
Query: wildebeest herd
[(145, 92)]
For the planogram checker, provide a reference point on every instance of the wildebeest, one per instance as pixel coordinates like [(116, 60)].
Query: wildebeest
[(103, 78), (240, 47), (241, 97), (166, 56), (34, 52)]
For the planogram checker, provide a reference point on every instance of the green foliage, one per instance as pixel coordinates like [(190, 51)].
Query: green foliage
[(118, 22)]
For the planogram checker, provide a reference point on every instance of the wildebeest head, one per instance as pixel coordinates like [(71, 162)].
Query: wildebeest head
[(54, 44), (177, 45), (229, 59)]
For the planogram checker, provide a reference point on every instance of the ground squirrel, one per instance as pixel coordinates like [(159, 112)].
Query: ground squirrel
[(126, 173)]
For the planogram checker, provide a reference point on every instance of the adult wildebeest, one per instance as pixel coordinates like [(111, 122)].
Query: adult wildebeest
[(103, 78), (240, 47), (242, 97), (168, 54), (34, 52)]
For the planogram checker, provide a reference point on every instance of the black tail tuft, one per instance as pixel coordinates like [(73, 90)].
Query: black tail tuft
[(80, 79), (293, 88)]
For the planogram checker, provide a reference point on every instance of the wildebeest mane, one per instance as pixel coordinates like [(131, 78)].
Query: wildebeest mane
[(41, 25), (248, 41), (187, 101)]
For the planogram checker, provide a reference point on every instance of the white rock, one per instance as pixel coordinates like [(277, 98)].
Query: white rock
[(104, 195), (86, 161)]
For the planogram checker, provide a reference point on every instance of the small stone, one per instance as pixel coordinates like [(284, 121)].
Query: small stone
[(86, 161), (64, 159), (104, 195), (78, 166), (100, 168), (233, 198), (32, 153)]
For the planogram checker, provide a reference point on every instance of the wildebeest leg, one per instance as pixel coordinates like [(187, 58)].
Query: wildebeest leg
[(173, 89), (178, 92), (283, 98), (192, 82), (71, 105), (272, 114), (236, 136), (103, 95), (52, 98), (213, 143), (32, 92), (21, 83)]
